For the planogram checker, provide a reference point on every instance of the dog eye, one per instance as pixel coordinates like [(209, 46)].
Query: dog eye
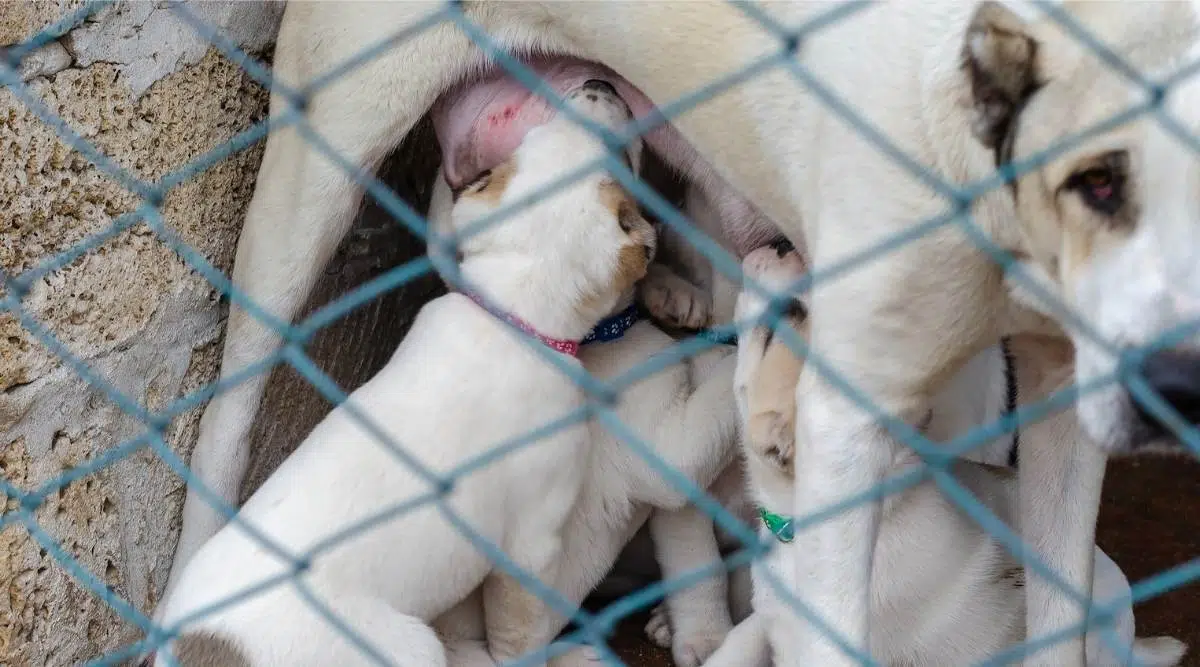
[(1100, 188)]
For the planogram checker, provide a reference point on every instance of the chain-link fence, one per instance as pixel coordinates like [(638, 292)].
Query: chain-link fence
[(592, 628)]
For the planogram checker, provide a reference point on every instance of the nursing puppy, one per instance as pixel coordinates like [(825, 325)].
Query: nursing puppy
[(461, 382), (932, 562), (686, 414), (683, 291)]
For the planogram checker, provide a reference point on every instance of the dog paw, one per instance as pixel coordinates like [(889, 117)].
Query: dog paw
[(772, 437), (584, 656), (697, 638), (673, 301), (658, 628), (776, 264), (693, 651)]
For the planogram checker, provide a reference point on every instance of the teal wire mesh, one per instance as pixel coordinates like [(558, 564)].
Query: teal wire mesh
[(590, 627)]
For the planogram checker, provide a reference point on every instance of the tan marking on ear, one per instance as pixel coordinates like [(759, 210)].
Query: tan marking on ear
[(491, 186), (208, 650)]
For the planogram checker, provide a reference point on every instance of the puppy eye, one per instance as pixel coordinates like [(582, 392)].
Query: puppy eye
[(480, 182), (1100, 187)]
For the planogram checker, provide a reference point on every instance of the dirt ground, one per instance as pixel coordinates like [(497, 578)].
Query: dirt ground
[(1148, 523)]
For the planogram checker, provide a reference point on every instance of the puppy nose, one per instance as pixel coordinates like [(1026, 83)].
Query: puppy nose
[(599, 86), (1175, 376)]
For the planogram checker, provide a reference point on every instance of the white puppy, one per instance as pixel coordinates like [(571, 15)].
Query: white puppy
[(686, 414), (461, 382), (932, 562)]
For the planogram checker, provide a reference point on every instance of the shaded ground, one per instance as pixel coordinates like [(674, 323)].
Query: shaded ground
[(1148, 523)]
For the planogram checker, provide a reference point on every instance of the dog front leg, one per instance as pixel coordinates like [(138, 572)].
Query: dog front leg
[(839, 454), (685, 540), (1061, 475), (303, 204)]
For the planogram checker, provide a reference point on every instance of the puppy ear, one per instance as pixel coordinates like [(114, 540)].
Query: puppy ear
[(1000, 59)]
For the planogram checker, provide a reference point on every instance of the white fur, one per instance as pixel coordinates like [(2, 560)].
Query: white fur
[(459, 384), (687, 416), (896, 327), (944, 592)]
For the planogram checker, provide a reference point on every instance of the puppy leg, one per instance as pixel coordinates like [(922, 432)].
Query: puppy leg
[(518, 621), (1061, 474), (461, 629), (684, 540), (658, 628), (741, 593), (683, 299), (745, 646), (302, 206), (696, 435)]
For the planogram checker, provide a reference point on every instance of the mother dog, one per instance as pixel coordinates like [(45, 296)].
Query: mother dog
[(958, 86)]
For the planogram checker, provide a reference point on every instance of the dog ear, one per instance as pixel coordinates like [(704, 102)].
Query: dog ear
[(1000, 59)]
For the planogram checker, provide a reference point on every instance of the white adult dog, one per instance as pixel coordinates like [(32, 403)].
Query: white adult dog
[(461, 382), (957, 86), (944, 592)]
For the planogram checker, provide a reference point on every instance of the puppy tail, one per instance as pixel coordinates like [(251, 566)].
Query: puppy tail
[(1158, 651)]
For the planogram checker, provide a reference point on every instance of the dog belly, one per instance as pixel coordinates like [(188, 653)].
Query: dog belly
[(479, 124)]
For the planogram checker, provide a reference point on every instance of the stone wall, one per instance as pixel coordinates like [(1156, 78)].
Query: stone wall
[(151, 95)]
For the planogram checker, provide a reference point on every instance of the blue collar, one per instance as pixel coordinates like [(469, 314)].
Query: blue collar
[(614, 326)]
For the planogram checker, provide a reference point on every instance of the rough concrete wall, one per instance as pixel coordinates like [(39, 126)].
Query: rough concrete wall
[(136, 83)]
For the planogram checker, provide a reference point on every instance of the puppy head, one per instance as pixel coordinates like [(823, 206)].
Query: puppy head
[(1111, 225), (583, 244)]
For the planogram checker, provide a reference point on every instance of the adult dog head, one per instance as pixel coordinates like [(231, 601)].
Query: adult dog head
[(1110, 222)]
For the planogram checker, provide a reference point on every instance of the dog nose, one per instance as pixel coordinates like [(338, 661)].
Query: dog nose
[(782, 246), (599, 86), (1175, 376)]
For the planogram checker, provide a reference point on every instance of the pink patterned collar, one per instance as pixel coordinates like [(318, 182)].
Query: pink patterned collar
[(568, 347)]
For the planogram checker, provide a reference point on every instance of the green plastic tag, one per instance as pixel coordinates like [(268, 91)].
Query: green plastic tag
[(779, 525)]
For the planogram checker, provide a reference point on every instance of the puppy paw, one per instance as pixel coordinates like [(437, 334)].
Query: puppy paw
[(696, 640), (778, 262), (673, 301), (775, 268), (658, 628), (772, 437), (695, 650), (584, 656)]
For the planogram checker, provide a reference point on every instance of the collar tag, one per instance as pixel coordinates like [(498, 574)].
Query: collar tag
[(779, 525)]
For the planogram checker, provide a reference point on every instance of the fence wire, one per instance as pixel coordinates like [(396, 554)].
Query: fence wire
[(593, 628)]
